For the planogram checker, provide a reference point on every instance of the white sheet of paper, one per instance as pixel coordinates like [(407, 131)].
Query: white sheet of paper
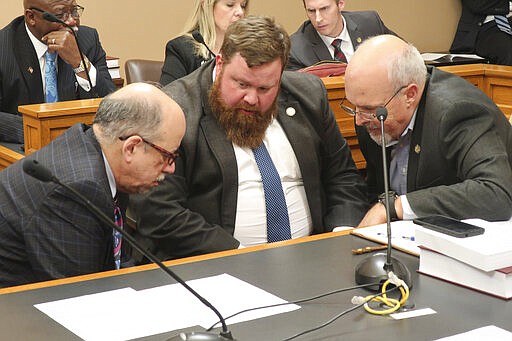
[(484, 333), (161, 309)]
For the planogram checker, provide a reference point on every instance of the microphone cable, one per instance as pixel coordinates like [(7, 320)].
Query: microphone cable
[(359, 301)]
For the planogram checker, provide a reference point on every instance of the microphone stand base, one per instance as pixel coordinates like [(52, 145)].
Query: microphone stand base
[(201, 336), (372, 270)]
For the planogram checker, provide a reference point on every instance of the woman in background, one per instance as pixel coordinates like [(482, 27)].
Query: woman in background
[(210, 18)]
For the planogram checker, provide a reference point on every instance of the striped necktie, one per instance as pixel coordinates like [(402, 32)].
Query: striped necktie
[(117, 236), (503, 24), (338, 54), (278, 222), (50, 77)]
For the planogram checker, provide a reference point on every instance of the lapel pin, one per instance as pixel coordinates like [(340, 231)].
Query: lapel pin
[(417, 149), (30, 70), (290, 111), (359, 40)]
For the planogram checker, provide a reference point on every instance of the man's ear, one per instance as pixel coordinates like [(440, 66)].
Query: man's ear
[(130, 147)]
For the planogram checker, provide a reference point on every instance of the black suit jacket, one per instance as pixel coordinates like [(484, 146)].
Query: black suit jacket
[(45, 232), (308, 48), (194, 210), (471, 21), (180, 59), (20, 78), (460, 154)]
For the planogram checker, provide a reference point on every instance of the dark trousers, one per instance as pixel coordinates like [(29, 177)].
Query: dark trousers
[(494, 45)]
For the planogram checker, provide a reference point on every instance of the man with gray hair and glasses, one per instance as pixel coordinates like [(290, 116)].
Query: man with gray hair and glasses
[(449, 146), (46, 232)]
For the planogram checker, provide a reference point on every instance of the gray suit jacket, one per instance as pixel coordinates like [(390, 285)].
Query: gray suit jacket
[(193, 211), (308, 48), (20, 79), (45, 232), (460, 157)]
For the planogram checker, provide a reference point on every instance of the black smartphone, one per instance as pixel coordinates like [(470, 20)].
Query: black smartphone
[(450, 226)]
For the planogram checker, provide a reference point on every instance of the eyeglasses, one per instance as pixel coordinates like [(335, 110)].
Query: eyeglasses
[(367, 116), (75, 13), (169, 157)]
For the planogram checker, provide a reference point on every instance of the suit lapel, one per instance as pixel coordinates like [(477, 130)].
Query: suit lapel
[(415, 147), (29, 64), (317, 44), (353, 31)]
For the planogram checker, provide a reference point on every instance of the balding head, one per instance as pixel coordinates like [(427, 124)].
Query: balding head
[(138, 108)]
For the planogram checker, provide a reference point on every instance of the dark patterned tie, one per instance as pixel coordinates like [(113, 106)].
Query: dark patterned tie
[(278, 222), (338, 54), (116, 235), (50, 77), (503, 24)]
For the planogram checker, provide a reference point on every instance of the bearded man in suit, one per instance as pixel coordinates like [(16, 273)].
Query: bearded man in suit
[(328, 24), (46, 232), (238, 106), (25, 44)]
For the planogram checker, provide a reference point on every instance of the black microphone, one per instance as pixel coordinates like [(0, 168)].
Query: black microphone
[(52, 18), (375, 269), (35, 169), (199, 38)]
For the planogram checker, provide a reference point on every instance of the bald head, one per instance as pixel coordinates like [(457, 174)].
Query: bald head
[(138, 108)]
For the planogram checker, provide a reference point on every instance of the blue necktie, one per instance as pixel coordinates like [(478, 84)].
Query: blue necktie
[(278, 222), (50, 76), (503, 24), (117, 236)]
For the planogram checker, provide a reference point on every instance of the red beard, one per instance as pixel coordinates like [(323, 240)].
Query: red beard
[(241, 129)]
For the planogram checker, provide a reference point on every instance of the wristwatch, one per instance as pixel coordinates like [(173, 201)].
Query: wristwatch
[(392, 212), (82, 66)]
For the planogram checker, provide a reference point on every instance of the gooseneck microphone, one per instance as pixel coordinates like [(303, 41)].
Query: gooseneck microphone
[(199, 38), (375, 269), (52, 18), (35, 169)]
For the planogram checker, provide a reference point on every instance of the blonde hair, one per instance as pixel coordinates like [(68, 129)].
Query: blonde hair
[(203, 21)]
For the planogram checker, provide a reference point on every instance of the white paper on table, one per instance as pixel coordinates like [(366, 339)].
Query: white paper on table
[(161, 309), (484, 333)]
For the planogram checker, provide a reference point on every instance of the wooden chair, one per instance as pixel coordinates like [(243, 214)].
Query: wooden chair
[(142, 70)]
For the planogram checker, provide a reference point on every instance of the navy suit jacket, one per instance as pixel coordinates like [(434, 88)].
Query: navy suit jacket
[(20, 78), (193, 211), (460, 154), (45, 232), (308, 48)]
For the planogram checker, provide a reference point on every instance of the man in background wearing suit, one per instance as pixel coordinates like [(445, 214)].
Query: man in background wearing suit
[(248, 123), (450, 146), (485, 29), (46, 232), (328, 26), (25, 45)]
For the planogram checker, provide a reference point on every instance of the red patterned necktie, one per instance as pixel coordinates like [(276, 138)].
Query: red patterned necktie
[(338, 54)]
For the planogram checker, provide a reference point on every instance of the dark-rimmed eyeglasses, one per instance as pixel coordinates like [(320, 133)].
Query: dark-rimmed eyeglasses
[(367, 116), (169, 157), (75, 13)]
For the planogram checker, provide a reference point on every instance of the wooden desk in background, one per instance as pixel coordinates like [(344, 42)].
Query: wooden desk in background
[(494, 80), (44, 122)]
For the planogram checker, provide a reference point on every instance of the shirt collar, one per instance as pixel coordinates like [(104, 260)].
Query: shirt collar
[(110, 176), (39, 46)]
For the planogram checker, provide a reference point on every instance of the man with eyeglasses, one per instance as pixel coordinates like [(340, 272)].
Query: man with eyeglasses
[(40, 62), (46, 232), (263, 159), (449, 146)]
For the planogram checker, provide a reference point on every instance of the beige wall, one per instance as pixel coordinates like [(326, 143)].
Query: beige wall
[(140, 29)]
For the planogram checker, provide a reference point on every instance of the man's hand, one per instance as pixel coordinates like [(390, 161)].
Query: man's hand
[(64, 43), (377, 214)]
